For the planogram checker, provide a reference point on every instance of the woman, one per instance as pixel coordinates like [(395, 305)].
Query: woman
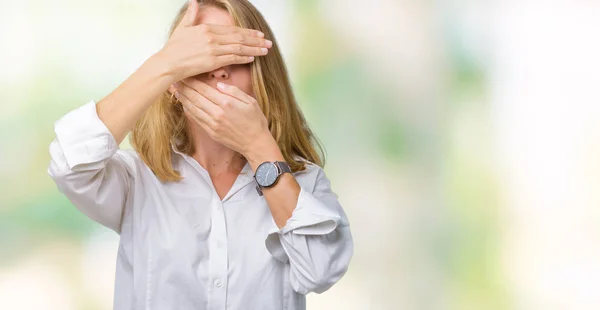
[(223, 203)]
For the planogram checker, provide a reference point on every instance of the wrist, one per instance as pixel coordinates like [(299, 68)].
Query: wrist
[(264, 149), (162, 68)]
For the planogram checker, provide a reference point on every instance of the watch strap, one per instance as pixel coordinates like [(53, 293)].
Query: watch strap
[(283, 167)]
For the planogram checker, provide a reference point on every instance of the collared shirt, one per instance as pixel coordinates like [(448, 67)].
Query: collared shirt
[(181, 246)]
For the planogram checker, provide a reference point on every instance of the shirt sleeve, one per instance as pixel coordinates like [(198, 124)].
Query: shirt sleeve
[(88, 167), (315, 241)]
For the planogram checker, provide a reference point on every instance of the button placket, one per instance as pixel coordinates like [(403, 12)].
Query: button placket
[(218, 256)]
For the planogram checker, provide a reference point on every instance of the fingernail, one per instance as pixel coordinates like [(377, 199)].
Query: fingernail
[(269, 43), (176, 84), (264, 50), (251, 58), (221, 85), (260, 34), (177, 94)]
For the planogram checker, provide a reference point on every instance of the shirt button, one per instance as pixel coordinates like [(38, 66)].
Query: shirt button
[(218, 283), (219, 244)]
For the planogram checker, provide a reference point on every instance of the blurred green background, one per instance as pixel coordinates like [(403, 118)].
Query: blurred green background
[(463, 140)]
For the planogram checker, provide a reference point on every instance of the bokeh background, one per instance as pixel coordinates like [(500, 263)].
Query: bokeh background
[(463, 140)]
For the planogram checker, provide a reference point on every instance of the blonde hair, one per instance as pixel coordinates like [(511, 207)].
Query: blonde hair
[(164, 123)]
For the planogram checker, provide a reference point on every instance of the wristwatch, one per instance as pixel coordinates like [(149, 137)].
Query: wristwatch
[(267, 174)]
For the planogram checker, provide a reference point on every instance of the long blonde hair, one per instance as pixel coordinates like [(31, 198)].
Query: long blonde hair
[(164, 123)]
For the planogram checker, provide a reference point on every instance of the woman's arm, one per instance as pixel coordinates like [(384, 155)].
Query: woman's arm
[(86, 163), (125, 105), (87, 168), (316, 239), (311, 230)]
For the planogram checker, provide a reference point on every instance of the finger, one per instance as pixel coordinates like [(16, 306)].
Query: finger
[(213, 95), (235, 92), (231, 59), (196, 118), (190, 109), (241, 50), (197, 99), (226, 29), (191, 15), (242, 39)]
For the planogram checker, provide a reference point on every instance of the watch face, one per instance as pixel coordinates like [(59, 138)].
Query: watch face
[(266, 174)]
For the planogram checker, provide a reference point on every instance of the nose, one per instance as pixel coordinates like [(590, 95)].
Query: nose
[(219, 74)]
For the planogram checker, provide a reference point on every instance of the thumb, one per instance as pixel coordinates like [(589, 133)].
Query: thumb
[(191, 15)]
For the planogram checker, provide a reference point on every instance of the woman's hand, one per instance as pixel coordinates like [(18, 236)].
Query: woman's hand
[(229, 116), (194, 49)]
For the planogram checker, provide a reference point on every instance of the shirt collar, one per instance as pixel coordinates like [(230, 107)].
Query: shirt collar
[(245, 177), (246, 168)]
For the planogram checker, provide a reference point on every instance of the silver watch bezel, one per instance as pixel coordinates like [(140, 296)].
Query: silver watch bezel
[(276, 177)]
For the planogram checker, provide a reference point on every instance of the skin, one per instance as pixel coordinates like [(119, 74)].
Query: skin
[(228, 123)]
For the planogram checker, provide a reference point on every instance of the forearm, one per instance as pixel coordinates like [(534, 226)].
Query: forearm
[(126, 104), (315, 239), (283, 196)]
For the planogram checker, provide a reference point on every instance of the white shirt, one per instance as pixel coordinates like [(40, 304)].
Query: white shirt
[(181, 246)]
